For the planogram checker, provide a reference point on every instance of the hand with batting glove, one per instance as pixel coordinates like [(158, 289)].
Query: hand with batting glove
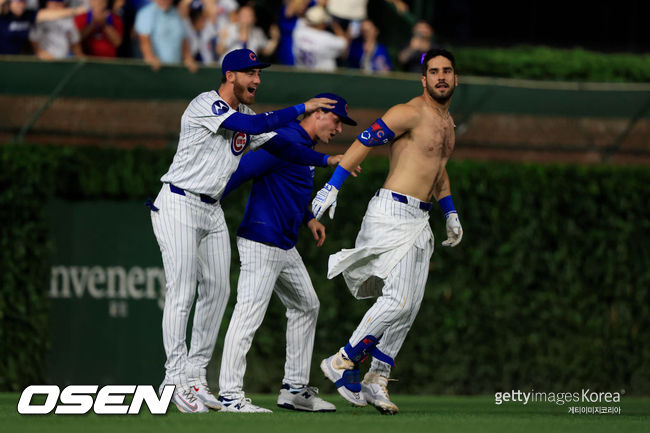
[(454, 230), (326, 198)]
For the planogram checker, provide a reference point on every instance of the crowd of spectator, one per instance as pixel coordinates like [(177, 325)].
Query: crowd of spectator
[(309, 34)]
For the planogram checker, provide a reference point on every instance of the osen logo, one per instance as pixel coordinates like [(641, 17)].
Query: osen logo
[(80, 399)]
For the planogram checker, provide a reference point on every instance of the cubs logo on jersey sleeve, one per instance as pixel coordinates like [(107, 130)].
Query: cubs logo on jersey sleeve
[(240, 142)]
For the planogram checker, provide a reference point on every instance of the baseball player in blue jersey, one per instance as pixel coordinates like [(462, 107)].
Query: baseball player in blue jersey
[(216, 128), (390, 260), (278, 204)]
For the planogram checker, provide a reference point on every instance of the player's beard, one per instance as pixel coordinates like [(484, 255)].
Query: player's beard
[(437, 95), (242, 94)]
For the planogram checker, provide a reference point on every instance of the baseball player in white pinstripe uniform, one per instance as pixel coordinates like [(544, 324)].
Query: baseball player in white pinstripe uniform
[(278, 204), (390, 260), (216, 128)]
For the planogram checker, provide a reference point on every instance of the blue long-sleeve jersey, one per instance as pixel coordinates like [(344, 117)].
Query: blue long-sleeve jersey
[(279, 199)]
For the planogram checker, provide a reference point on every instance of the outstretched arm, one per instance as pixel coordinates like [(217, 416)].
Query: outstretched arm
[(395, 122), (296, 153), (252, 164), (269, 121), (56, 14)]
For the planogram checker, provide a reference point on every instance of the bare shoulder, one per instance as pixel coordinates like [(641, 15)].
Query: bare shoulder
[(402, 116)]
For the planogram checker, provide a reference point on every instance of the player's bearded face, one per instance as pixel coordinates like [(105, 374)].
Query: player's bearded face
[(441, 80), (245, 85)]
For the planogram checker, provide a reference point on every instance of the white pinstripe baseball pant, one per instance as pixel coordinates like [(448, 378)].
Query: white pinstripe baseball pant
[(195, 247), (265, 269), (395, 310)]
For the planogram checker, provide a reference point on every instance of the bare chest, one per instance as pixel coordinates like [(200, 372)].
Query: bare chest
[(435, 138)]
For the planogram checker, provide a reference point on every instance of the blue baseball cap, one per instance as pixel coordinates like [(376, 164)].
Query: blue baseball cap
[(239, 60), (340, 109)]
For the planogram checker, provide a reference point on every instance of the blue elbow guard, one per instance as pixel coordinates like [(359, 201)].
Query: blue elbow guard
[(377, 134)]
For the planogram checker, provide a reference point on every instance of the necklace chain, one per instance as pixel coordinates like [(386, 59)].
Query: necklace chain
[(446, 116)]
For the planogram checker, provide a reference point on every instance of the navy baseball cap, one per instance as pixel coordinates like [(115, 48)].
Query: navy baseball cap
[(239, 60), (340, 109)]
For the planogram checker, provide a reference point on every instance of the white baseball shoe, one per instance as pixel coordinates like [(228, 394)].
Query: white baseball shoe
[(345, 375), (203, 393), (374, 389), (240, 405), (303, 399), (187, 402)]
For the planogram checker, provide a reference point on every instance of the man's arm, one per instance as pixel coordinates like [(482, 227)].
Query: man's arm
[(317, 230), (442, 188), (188, 60), (269, 121), (147, 52), (442, 193), (114, 29), (76, 50), (289, 151), (56, 14), (396, 121), (252, 164)]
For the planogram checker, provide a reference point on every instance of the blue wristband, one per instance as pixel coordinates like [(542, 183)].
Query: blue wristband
[(300, 108), (325, 158), (447, 205), (338, 177)]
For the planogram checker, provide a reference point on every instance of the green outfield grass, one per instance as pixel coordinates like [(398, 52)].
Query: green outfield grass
[(418, 414)]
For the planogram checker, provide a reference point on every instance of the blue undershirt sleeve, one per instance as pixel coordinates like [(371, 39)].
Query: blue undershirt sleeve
[(296, 153), (309, 215), (263, 122), (252, 164)]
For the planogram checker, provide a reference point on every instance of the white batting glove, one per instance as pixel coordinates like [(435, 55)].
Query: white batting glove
[(326, 198), (454, 231)]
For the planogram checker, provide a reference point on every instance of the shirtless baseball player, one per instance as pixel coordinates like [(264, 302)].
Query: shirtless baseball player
[(216, 128), (278, 204), (390, 260)]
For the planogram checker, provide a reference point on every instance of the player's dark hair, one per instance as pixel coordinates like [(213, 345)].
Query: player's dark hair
[(435, 52), (223, 78)]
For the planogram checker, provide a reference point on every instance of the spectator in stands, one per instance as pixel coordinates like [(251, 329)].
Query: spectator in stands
[(368, 54), (162, 37), (56, 39), (421, 42), (349, 14), (200, 29), (313, 46), (101, 30), (127, 10), (16, 21), (220, 12), (244, 34), (289, 14)]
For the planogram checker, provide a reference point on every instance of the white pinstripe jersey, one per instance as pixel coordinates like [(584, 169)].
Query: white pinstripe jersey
[(208, 155)]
